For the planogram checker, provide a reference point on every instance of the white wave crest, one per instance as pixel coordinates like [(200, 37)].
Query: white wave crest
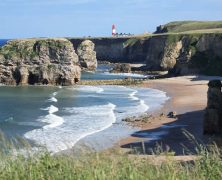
[(90, 89), (52, 99), (93, 119), (52, 120), (54, 94), (51, 109), (132, 95), (126, 74)]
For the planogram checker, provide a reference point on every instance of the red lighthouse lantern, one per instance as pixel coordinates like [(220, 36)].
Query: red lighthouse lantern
[(113, 30)]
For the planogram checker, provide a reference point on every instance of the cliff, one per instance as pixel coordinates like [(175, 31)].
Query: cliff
[(213, 113), (184, 54), (39, 61), (180, 54)]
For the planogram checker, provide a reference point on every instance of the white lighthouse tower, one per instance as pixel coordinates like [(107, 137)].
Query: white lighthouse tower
[(113, 30)]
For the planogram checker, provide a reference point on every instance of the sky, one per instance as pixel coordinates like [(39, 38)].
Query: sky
[(77, 18)]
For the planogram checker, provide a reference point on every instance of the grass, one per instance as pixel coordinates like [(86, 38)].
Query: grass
[(109, 165), (105, 167), (183, 26)]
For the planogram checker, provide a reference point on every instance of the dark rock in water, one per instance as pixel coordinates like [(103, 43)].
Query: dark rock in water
[(39, 61), (87, 55), (213, 113), (122, 68)]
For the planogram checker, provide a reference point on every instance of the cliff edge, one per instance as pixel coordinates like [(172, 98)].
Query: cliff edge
[(39, 61)]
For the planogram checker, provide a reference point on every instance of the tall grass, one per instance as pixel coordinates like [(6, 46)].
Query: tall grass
[(107, 166), (102, 166)]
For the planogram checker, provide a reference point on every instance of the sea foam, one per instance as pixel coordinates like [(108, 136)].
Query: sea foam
[(90, 120), (52, 99), (76, 122)]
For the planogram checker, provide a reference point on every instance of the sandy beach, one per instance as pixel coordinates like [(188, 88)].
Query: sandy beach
[(188, 98)]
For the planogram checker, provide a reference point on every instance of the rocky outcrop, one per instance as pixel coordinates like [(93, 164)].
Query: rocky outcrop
[(87, 55), (117, 50), (180, 54), (39, 61), (213, 113), (121, 68)]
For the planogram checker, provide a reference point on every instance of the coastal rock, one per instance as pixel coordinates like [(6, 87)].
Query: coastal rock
[(213, 113), (39, 61), (172, 114), (121, 68), (180, 54), (87, 55)]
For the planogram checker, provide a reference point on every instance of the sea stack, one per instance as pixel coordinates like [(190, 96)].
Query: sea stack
[(39, 61), (87, 55), (213, 114)]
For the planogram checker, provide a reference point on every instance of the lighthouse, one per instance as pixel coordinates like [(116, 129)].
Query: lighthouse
[(113, 30)]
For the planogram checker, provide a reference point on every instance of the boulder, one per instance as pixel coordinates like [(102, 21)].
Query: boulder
[(87, 55), (121, 68), (172, 114)]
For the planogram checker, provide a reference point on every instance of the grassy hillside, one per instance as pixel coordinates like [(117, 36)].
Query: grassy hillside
[(183, 26)]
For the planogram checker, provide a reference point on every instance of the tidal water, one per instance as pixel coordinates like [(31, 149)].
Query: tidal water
[(57, 118)]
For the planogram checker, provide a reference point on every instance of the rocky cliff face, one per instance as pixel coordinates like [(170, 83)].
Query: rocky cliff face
[(213, 113), (117, 50), (180, 54), (39, 61), (190, 54), (87, 55)]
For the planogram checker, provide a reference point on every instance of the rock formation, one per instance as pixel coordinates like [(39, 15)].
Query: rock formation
[(39, 61), (213, 113), (121, 68), (87, 55), (180, 54)]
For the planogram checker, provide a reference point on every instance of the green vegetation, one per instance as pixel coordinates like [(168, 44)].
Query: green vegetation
[(130, 42), (110, 165), (136, 39), (29, 48), (173, 38), (183, 26)]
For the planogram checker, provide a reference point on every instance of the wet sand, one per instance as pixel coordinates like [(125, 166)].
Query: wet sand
[(188, 98)]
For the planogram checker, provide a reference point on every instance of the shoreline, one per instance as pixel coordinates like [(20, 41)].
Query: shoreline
[(188, 98)]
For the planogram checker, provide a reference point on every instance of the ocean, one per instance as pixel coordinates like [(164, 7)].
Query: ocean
[(57, 118), (3, 42)]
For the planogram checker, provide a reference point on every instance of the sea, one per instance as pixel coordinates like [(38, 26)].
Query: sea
[(58, 118)]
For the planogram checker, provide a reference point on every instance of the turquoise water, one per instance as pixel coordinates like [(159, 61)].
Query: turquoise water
[(102, 73), (57, 118)]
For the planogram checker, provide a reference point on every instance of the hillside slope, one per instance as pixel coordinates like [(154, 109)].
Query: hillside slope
[(183, 26)]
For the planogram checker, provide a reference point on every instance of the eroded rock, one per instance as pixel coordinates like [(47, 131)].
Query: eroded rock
[(87, 55), (121, 68), (39, 61)]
